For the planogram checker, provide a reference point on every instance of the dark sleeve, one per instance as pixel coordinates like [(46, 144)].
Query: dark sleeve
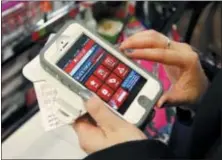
[(185, 117), (207, 122), (198, 139), (135, 150)]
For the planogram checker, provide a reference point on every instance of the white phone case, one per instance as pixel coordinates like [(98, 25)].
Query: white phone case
[(70, 85)]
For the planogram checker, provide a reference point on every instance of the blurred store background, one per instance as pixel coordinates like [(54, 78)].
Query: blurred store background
[(26, 26)]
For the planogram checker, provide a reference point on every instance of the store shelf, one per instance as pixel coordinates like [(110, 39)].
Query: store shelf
[(42, 29), (25, 117), (18, 49)]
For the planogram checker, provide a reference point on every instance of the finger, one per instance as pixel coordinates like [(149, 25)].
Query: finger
[(85, 132), (162, 100), (165, 56), (173, 97), (127, 43), (148, 39), (169, 99), (104, 117), (82, 126), (83, 118), (86, 118)]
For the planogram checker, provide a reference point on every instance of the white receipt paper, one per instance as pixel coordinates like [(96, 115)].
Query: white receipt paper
[(46, 96), (49, 99)]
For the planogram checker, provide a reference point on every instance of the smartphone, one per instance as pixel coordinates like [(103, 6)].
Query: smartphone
[(82, 60)]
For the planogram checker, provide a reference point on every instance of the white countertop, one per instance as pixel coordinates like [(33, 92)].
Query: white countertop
[(31, 142)]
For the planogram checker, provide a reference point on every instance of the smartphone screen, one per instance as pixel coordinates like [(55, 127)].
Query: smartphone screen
[(101, 72)]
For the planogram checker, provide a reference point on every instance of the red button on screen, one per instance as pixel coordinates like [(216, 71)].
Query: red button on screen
[(110, 62), (93, 83), (105, 92), (113, 81), (118, 98), (101, 72), (121, 70)]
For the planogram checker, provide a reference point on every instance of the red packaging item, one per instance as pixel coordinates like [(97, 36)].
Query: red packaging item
[(131, 9), (35, 36), (30, 97), (45, 6)]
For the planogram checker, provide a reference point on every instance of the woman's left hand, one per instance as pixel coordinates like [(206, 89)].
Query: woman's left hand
[(108, 131)]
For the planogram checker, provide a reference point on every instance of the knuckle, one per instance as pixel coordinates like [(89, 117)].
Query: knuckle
[(163, 55), (93, 106), (83, 145), (195, 57), (152, 32), (94, 109), (187, 46)]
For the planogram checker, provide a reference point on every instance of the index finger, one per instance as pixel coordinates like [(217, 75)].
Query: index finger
[(165, 56), (146, 39)]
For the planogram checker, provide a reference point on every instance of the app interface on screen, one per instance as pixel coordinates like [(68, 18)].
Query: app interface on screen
[(99, 71)]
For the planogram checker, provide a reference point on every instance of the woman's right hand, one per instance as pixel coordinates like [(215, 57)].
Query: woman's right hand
[(180, 61)]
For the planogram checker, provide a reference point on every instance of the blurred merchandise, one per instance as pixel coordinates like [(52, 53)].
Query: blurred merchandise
[(12, 104), (89, 20), (17, 22), (133, 27), (19, 18), (109, 9), (207, 34), (12, 86), (110, 29), (18, 100), (25, 29), (30, 97), (175, 34), (45, 6)]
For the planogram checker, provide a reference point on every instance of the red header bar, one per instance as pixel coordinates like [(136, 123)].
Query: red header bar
[(79, 56)]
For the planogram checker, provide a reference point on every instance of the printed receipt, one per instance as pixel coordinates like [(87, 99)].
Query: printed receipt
[(47, 96)]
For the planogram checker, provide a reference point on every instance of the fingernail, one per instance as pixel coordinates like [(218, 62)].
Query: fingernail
[(85, 95), (129, 50), (158, 105)]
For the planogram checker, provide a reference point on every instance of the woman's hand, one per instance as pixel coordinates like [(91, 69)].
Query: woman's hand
[(108, 131), (180, 61)]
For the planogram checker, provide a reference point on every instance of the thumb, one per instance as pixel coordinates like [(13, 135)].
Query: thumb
[(103, 116), (85, 131)]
